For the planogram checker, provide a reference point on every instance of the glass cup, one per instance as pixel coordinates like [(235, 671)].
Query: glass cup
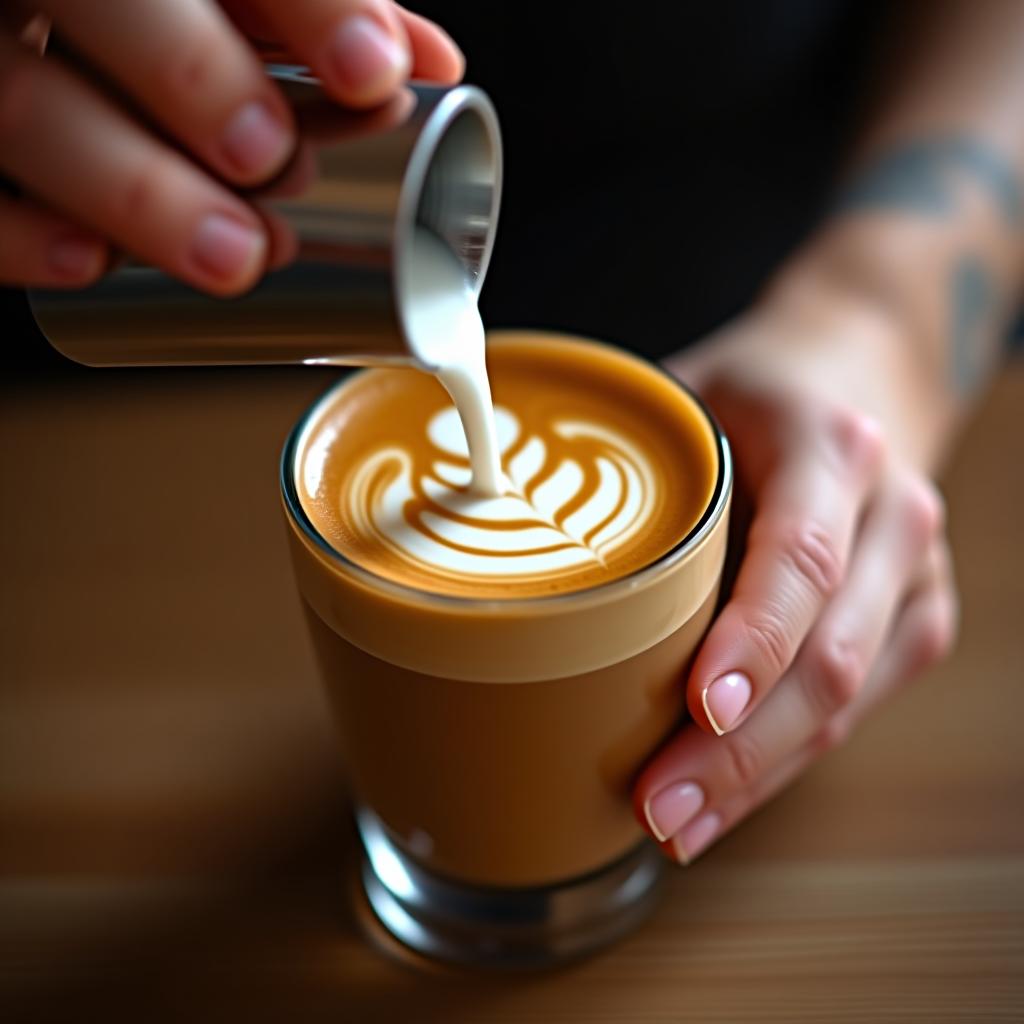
[(491, 744)]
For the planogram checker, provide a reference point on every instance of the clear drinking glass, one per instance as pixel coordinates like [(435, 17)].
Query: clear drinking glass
[(491, 744)]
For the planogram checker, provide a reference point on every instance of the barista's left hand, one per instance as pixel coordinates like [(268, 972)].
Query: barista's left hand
[(845, 589)]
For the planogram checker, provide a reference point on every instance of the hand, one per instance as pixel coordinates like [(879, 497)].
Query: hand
[(92, 155), (844, 591)]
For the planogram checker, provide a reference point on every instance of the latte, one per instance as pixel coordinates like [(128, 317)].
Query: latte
[(492, 733), (607, 465)]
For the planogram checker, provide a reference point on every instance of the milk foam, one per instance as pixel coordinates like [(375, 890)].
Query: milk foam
[(426, 515), (571, 493), (444, 330)]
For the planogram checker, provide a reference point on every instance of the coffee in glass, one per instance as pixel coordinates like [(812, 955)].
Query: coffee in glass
[(502, 666)]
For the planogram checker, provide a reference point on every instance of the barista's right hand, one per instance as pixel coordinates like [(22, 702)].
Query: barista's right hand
[(136, 154)]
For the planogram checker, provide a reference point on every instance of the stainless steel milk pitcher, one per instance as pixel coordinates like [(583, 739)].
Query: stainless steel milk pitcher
[(343, 213)]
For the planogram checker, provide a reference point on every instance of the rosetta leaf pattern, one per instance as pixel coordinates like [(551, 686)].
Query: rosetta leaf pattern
[(582, 486)]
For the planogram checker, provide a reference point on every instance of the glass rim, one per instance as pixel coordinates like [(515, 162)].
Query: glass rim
[(711, 515)]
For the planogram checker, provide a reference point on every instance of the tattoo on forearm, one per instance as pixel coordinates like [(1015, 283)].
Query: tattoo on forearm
[(973, 308), (921, 177)]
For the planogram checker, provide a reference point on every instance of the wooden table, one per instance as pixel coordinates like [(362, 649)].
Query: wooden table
[(173, 833)]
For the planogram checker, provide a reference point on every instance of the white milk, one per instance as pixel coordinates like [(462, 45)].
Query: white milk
[(482, 523), (612, 514), (446, 334)]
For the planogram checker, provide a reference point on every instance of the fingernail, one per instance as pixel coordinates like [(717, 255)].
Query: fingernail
[(695, 838), (76, 255), (725, 700), (362, 53), (225, 249), (672, 807), (256, 140)]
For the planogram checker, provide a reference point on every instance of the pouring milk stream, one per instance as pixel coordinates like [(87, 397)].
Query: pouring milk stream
[(445, 331)]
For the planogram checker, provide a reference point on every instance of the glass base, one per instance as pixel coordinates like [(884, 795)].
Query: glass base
[(505, 928)]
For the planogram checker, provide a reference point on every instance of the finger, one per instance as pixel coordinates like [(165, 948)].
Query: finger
[(929, 621), (284, 242), (798, 548), (690, 842), (71, 147), (900, 526), (923, 635), (42, 248), (435, 56), (698, 786), (359, 49), (192, 71), (698, 770)]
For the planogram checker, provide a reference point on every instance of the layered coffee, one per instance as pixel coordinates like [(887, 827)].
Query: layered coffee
[(607, 465), (493, 731)]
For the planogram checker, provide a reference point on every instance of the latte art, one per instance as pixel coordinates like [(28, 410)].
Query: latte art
[(603, 465), (576, 492)]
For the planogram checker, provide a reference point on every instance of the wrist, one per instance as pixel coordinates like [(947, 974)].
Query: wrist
[(840, 336), (948, 290), (883, 268)]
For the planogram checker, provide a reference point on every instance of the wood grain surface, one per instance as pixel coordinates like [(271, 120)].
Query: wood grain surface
[(174, 840)]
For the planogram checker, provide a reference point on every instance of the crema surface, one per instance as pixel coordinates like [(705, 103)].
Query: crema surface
[(608, 466)]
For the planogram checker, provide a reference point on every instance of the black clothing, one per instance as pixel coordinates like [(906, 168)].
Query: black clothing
[(661, 159)]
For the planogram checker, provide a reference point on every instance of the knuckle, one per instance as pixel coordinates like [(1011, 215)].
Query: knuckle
[(189, 66), (19, 80), (746, 761), (836, 676), (814, 558), (933, 639), (831, 735), (139, 197), (856, 439), (769, 637), (923, 509)]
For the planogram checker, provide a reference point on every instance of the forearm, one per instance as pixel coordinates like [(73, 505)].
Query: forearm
[(929, 223)]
